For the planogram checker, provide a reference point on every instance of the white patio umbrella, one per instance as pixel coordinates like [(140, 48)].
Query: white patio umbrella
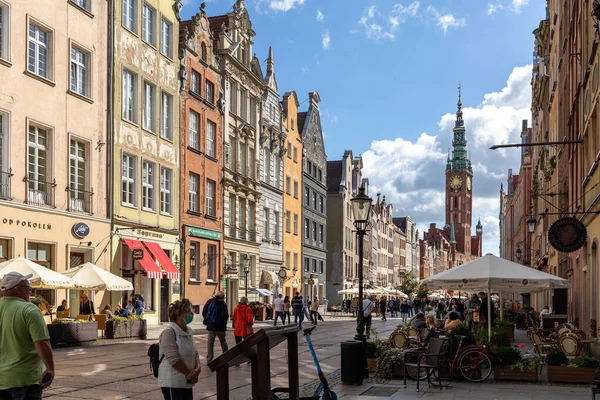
[(43, 278), (92, 277), (494, 273), (395, 292), (262, 292), (348, 291)]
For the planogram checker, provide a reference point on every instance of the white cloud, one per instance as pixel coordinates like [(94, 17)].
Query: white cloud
[(320, 16), (447, 20), (412, 174), (518, 4), (326, 40), (492, 8), (305, 69), (377, 27), (284, 5)]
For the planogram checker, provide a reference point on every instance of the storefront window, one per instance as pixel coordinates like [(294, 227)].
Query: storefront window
[(41, 254), (5, 249), (194, 246), (148, 293), (212, 262)]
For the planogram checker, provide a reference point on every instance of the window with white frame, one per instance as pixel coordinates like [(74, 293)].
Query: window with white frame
[(295, 224), (148, 196), (4, 31), (193, 128), (232, 96), (166, 187), (195, 83), (129, 96), (166, 38), (130, 12), (80, 61), (295, 189), (4, 168), (211, 128), (210, 197), (314, 231), (210, 92), (149, 107), (38, 165), (288, 221), (288, 260), (166, 120), (266, 165), (276, 220), (128, 178), (78, 177), (306, 228), (288, 185), (193, 192), (149, 24), (85, 4), (321, 234), (203, 52), (267, 222), (277, 171), (39, 50), (252, 111)]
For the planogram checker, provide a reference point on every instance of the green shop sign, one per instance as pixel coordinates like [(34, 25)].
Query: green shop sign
[(204, 233), (224, 283)]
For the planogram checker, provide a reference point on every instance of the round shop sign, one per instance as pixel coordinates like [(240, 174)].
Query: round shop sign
[(81, 230), (282, 273), (567, 234)]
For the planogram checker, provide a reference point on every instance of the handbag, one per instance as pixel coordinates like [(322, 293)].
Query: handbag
[(475, 316), (249, 330)]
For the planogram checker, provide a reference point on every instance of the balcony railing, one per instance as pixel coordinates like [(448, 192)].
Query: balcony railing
[(40, 193), (5, 184), (80, 200)]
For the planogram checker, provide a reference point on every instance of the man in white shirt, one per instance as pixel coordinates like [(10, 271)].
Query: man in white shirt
[(278, 310), (368, 307)]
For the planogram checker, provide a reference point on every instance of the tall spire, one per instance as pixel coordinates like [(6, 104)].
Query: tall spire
[(270, 61), (459, 114), (459, 100)]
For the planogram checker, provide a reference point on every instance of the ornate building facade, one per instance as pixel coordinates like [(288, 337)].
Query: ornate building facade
[(242, 84), (314, 184)]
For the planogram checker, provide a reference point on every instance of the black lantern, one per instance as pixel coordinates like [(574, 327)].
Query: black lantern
[(519, 253), (531, 224), (361, 208), (193, 260), (246, 272)]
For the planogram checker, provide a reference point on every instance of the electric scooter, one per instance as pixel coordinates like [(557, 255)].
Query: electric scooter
[(323, 389)]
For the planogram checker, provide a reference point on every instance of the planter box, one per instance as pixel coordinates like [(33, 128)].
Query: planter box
[(510, 332), (372, 364), (73, 333), (509, 374), (398, 370), (128, 329), (571, 374)]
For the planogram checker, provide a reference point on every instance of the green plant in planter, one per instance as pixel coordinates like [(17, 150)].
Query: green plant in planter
[(584, 361), (505, 356), (504, 323), (499, 337), (119, 320), (67, 321), (386, 360), (452, 342), (520, 318), (529, 362), (556, 358), (373, 349)]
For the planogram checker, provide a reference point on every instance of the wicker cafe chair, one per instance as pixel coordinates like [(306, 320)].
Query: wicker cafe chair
[(412, 331), (428, 361), (399, 340), (562, 330), (62, 314), (570, 344)]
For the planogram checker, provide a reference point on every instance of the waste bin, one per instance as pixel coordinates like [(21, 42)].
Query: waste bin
[(354, 359)]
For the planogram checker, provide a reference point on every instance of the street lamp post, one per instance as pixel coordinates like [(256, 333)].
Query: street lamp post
[(246, 271), (361, 208)]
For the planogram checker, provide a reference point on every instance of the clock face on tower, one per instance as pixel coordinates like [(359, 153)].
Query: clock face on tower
[(469, 183), (456, 182)]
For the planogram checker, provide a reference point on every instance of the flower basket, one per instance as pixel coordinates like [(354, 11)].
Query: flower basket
[(571, 374), (506, 373)]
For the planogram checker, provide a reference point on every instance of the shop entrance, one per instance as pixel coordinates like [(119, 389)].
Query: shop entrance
[(164, 299)]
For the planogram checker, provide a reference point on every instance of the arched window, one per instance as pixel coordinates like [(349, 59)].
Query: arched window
[(203, 52)]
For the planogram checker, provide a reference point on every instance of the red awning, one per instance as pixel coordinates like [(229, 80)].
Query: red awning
[(170, 269), (152, 270)]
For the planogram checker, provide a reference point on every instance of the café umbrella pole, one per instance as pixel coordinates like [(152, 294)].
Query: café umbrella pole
[(489, 314)]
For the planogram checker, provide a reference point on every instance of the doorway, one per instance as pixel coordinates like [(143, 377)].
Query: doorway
[(164, 299)]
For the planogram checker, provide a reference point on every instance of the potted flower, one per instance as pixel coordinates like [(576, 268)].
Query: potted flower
[(507, 327), (510, 364), (121, 327), (373, 350), (581, 369), (390, 363)]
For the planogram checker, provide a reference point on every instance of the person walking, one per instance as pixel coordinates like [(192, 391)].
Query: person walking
[(278, 310), (314, 310), (178, 372), (383, 308), (367, 309), (410, 307), (404, 311), (243, 319), (286, 310), (215, 318), (26, 360), (298, 307)]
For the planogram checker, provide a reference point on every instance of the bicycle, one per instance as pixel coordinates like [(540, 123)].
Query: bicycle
[(473, 361)]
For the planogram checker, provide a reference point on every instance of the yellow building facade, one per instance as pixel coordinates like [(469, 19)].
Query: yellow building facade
[(145, 242), (292, 198)]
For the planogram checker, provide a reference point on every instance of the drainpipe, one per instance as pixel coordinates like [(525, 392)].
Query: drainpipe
[(110, 154)]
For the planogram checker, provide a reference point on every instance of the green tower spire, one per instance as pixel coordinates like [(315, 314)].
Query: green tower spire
[(459, 142)]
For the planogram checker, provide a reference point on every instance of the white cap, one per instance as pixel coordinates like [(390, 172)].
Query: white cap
[(12, 279)]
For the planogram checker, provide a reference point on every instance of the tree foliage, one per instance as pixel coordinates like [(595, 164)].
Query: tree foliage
[(422, 292), (409, 284)]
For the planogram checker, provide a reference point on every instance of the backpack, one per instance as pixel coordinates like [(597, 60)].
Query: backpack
[(211, 315), (155, 359)]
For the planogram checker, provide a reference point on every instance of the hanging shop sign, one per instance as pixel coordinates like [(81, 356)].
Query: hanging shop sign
[(81, 230), (567, 234), (138, 254)]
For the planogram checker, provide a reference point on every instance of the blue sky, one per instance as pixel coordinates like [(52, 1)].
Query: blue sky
[(387, 73)]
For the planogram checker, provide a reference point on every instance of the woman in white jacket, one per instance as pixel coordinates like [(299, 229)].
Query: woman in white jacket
[(180, 368)]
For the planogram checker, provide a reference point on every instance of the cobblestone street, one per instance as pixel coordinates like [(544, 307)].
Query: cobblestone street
[(111, 370)]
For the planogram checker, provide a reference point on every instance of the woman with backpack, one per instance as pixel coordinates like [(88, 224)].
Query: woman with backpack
[(179, 360)]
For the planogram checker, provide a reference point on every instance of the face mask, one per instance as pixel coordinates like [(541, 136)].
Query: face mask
[(188, 319)]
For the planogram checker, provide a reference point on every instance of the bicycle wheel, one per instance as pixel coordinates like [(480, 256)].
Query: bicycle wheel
[(444, 372), (475, 366), (413, 358)]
